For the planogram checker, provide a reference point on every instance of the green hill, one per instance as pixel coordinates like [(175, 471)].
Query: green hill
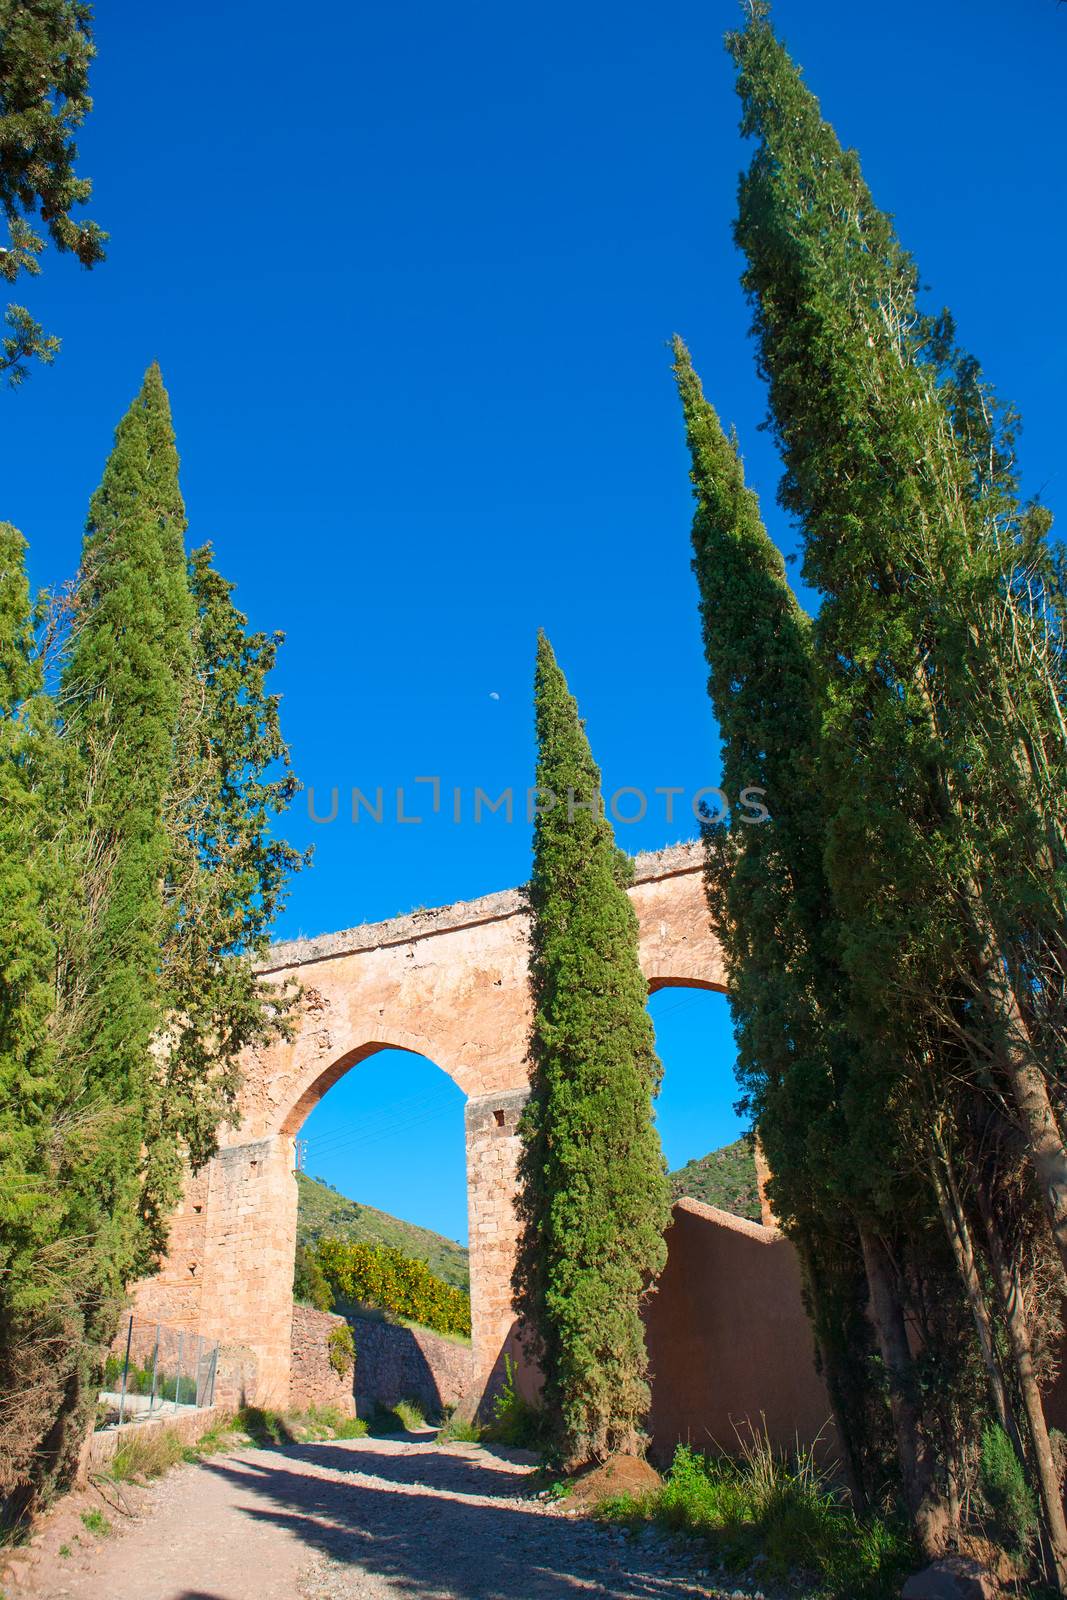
[(323, 1210), (726, 1178)]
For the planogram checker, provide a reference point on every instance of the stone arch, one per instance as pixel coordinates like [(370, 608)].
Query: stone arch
[(450, 984), (309, 1096), (662, 981)]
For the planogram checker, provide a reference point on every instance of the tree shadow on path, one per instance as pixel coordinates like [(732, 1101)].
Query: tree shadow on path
[(419, 1536)]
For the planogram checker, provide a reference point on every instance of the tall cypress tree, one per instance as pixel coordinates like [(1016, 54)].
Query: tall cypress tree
[(593, 1195), (943, 849), (773, 911), (42, 1264), (124, 681), (138, 879), (27, 957), (916, 545)]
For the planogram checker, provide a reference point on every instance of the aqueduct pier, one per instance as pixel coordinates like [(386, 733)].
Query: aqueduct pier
[(450, 984)]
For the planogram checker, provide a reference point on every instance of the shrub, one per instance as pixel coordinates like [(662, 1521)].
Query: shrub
[(323, 1422), (460, 1430), (146, 1453), (1005, 1493), (139, 1381), (264, 1426), (784, 1511), (309, 1281), (297, 1427), (96, 1523), (380, 1275), (341, 1345), (405, 1416), (514, 1420)]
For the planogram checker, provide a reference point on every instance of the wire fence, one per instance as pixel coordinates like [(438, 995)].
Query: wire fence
[(152, 1370)]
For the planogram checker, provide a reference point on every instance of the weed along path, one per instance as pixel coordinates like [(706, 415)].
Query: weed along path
[(362, 1519)]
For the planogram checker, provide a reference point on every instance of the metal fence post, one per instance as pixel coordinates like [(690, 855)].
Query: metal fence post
[(125, 1373), (155, 1364), (214, 1369), (178, 1379)]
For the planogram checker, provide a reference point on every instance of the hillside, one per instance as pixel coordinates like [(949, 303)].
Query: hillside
[(726, 1178), (323, 1211)]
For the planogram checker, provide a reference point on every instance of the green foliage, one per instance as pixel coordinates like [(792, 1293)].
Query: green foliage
[(1005, 1492), (342, 1350), (725, 1178), (146, 1452), (322, 1212), (96, 1523), (938, 657), (45, 50), (515, 1421), (28, 1211), (264, 1426), (137, 879), (406, 1416), (226, 876), (125, 676), (786, 1514), (180, 1389), (309, 1280), (788, 995), (460, 1430), (593, 1199), (379, 1275), (268, 1427)]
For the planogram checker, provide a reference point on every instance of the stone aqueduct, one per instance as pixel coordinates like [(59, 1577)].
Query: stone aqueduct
[(450, 984)]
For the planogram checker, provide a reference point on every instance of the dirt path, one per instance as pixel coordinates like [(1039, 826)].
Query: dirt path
[(363, 1519)]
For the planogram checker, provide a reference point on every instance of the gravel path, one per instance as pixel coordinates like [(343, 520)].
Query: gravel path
[(367, 1519)]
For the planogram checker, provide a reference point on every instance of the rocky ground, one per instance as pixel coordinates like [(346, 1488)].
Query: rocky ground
[(356, 1519)]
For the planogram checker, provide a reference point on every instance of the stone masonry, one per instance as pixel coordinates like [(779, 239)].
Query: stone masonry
[(314, 1380), (450, 984)]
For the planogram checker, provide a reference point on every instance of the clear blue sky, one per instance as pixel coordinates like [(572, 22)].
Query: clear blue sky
[(410, 271)]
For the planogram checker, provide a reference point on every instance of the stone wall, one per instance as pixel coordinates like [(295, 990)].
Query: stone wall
[(729, 1341), (313, 1381), (189, 1424), (392, 1363)]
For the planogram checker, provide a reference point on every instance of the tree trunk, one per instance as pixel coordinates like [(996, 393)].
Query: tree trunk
[(929, 1514), (959, 1238), (1044, 1139), (1019, 1336), (1042, 1131)]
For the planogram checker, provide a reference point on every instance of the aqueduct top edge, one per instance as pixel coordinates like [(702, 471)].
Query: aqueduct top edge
[(649, 867)]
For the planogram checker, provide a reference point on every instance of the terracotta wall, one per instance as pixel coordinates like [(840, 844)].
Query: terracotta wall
[(729, 1339)]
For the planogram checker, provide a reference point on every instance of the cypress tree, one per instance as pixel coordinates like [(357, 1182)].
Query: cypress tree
[(138, 879), (773, 911), (593, 1194), (42, 1265), (125, 678), (27, 957), (941, 715), (912, 544)]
